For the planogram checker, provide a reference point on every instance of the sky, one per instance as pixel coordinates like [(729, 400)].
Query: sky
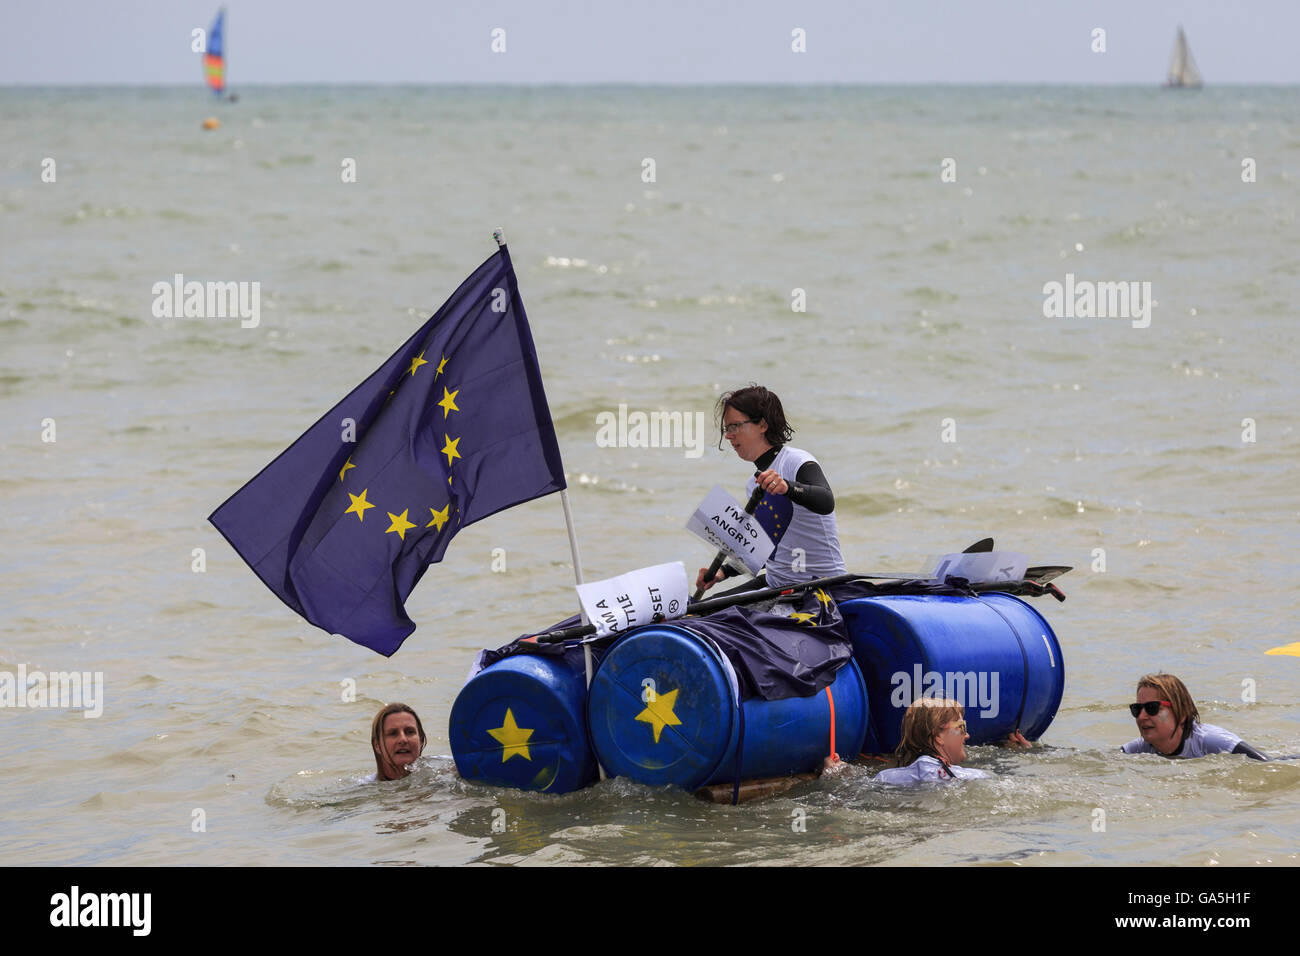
[(146, 42)]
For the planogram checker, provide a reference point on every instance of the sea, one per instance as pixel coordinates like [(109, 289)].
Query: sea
[(881, 257)]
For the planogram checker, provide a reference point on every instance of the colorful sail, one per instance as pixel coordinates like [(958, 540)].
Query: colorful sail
[(214, 60)]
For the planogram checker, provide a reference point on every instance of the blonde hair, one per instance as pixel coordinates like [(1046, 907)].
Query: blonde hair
[(921, 724), (386, 768)]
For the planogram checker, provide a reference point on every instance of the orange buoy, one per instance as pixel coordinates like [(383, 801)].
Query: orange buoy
[(211, 123)]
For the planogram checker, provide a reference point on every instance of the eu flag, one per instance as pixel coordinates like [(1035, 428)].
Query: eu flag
[(452, 428)]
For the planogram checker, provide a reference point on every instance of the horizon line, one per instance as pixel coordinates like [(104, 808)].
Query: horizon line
[(636, 84)]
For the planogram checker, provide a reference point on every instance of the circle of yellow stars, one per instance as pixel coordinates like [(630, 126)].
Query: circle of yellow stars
[(399, 524)]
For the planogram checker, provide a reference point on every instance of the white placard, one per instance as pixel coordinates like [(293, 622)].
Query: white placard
[(638, 597), (721, 521), (983, 567)]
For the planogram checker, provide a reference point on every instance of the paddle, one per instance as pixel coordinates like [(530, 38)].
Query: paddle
[(721, 556), (1036, 582), (700, 608)]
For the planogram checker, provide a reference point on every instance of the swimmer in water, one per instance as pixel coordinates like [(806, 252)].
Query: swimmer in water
[(1170, 725), (933, 744), (397, 737)]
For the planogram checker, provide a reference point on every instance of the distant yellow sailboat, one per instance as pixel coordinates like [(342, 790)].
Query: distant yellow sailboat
[(1183, 73)]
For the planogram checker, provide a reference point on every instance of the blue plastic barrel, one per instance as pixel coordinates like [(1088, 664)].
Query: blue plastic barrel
[(993, 653), (521, 723), (663, 709)]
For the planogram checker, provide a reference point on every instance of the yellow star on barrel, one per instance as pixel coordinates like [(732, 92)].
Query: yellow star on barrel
[(659, 714), (512, 737)]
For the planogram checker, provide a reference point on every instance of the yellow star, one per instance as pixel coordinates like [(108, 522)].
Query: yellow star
[(823, 597), (400, 524), (802, 618), (659, 714), (416, 363), (346, 465), (449, 449), (359, 504), (448, 402), (441, 365), (439, 518), (512, 737)]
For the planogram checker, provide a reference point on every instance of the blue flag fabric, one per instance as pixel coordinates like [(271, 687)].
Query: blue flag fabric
[(452, 428), (773, 515)]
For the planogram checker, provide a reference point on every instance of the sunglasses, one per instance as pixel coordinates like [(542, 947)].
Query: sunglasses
[(960, 728), (1152, 707)]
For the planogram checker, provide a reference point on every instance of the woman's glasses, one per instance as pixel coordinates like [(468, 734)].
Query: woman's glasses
[(1152, 707), (736, 426)]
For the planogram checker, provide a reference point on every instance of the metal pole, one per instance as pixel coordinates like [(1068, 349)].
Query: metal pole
[(577, 575)]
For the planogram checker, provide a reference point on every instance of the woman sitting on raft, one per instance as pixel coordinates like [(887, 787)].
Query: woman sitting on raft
[(397, 737), (1170, 725), (753, 421)]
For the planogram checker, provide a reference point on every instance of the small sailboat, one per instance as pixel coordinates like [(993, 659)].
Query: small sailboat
[(1183, 73), (214, 60)]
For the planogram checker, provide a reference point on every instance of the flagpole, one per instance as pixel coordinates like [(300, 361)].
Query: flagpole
[(500, 236)]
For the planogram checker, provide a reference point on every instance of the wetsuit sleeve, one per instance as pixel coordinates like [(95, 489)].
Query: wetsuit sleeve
[(811, 490), (1248, 750)]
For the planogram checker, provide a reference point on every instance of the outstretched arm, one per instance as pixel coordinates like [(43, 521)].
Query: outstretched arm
[(1249, 751)]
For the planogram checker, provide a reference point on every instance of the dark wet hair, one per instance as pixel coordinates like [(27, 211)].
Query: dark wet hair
[(755, 402)]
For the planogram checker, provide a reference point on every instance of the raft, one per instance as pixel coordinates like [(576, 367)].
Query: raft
[(664, 706)]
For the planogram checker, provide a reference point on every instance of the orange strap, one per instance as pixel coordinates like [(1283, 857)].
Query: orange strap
[(830, 698)]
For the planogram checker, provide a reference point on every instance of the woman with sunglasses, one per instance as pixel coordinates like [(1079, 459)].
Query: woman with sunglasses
[(1170, 725), (933, 744), (799, 503)]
